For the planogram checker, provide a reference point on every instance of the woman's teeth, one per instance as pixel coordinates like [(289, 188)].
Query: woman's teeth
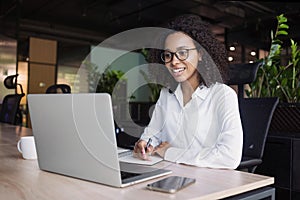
[(177, 70)]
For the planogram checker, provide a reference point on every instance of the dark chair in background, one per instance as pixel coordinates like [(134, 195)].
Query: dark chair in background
[(10, 108), (241, 74), (59, 88), (256, 115)]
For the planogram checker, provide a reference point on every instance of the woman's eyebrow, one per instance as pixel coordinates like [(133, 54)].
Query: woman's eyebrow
[(179, 48), (183, 47)]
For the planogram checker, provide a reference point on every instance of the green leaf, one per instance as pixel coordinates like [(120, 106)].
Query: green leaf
[(282, 32), (275, 70), (283, 26), (273, 83), (276, 41), (281, 19), (284, 82)]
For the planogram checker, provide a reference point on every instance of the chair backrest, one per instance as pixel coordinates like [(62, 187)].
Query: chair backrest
[(59, 88), (242, 73), (256, 115), (10, 112), (11, 82)]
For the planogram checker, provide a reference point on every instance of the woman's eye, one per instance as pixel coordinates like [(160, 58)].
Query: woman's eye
[(182, 53), (167, 55)]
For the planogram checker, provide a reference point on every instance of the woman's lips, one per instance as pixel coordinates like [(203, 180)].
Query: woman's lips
[(177, 71)]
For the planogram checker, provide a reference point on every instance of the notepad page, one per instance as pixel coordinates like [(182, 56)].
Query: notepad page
[(122, 150), (129, 158)]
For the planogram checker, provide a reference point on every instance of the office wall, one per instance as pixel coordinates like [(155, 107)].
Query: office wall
[(8, 50), (42, 64), (128, 62)]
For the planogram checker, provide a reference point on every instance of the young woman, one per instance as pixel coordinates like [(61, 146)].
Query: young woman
[(199, 122)]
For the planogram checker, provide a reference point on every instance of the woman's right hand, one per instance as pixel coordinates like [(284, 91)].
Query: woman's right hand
[(140, 150)]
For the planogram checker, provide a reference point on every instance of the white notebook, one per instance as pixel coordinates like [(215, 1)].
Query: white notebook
[(127, 157)]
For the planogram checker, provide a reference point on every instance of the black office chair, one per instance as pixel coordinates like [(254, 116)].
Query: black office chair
[(256, 115), (58, 88), (10, 108), (241, 74)]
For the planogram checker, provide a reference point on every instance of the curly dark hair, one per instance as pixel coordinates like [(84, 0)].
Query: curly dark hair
[(214, 64)]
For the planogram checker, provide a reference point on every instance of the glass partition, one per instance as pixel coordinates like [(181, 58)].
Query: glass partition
[(8, 49)]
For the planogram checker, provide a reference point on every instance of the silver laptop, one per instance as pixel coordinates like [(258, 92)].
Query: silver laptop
[(75, 136)]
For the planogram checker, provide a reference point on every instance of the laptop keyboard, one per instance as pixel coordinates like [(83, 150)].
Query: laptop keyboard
[(125, 175)]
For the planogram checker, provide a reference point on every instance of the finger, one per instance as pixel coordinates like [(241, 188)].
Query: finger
[(141, 156), (149, 149), (135, 154), (157, 152), (164, 143), (140, 149), (139, 145), (156, 149), (135, 148)]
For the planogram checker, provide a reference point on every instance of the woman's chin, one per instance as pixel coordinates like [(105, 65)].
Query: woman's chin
[(179, 79)]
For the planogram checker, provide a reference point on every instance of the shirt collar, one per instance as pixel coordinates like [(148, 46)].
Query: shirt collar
[(178, 94), (200, 92)]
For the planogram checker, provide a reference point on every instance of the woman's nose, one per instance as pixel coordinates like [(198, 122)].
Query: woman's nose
[(175, 60)]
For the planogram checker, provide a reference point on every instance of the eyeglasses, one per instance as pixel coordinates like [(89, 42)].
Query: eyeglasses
[(181, 55)]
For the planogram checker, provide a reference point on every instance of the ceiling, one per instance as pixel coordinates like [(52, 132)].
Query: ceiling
[(91, 21)]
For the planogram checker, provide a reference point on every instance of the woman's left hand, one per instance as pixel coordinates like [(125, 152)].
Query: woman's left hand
[(161, 149)]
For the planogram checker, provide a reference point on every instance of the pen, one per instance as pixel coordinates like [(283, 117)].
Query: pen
[(148, 144)]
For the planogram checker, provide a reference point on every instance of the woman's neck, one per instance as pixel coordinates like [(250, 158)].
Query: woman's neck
[(188, 87)]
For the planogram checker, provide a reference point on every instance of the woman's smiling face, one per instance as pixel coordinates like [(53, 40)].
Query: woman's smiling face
[(182, 70)]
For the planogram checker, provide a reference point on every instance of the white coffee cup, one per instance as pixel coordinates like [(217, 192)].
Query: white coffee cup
[(26, 147)]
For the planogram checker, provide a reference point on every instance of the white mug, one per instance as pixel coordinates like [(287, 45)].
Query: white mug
[(26, 147)]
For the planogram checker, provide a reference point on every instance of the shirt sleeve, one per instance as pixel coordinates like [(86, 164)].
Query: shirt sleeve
[(227, 151), (156, 124)]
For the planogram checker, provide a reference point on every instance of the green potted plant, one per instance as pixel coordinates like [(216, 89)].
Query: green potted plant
[(154, 88), (108, 80), (278, 79), (105, 81)]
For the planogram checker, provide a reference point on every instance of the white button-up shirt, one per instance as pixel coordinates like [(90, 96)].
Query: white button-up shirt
[(206, 132)]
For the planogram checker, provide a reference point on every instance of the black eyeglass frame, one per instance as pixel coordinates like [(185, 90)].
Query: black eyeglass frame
[(175, 53)]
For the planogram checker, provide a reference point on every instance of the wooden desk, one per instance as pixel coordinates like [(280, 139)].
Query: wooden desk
[(22, 179)]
